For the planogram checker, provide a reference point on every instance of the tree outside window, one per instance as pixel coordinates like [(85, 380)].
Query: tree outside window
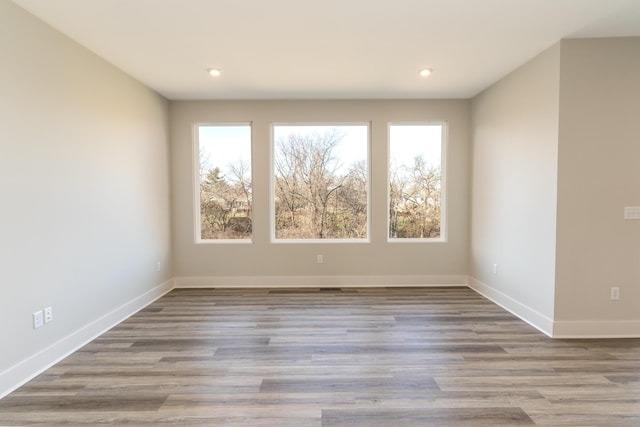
[(224, 199), (320, 183), (415, 181)]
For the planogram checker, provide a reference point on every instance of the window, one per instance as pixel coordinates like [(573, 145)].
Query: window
[(223, 182), (416, 185), (320, 182)]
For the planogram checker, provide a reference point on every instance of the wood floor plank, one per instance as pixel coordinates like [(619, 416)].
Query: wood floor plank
[(332, 357), (425, 417)]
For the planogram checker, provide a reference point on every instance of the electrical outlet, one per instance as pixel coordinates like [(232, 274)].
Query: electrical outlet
[(38, 319), (320, 259), (495, 268), (48, 314), (158, 266), (615, 293)]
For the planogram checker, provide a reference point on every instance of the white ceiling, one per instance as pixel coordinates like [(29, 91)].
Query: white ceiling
[(337, 49)]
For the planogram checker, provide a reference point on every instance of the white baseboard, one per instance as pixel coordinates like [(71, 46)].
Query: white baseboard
[(597, 329), (524, 312), (317, 281), (19, 374), (559, 329)]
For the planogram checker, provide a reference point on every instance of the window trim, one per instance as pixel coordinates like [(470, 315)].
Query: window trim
[(272, 213), (444, 147), (195, 164)]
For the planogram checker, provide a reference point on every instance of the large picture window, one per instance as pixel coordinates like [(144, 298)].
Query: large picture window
[(416, 184), (320, 182), (223, 190)]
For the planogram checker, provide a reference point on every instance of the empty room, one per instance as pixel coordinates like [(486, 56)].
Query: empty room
[(335, 213)]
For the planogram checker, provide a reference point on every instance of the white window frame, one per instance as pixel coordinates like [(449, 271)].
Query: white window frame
[(272, 215), (444, 143), (196, 182)]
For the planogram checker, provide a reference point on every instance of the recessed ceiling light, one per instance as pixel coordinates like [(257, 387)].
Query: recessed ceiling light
[(426, 72), (214, 72)]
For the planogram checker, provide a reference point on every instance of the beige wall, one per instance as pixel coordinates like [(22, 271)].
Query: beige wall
[(598, 176), (264, 259), (554, 153), (84, 189), (514, 173)]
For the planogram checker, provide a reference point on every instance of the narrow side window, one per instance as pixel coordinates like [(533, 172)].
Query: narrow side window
[(416, 181), (223, 182)]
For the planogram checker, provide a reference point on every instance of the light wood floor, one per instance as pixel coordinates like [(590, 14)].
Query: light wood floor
[(359, 357)]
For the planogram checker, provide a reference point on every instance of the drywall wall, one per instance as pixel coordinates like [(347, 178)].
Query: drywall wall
[(408, 263), (598, 176), (84, 192), (514, 174)]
